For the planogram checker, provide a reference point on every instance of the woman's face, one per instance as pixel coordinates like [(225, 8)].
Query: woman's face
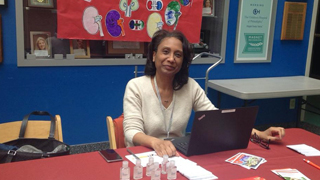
[(41, 44), (169, 56)]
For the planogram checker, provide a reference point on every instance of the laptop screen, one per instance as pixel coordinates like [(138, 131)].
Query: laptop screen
[(221, 130)]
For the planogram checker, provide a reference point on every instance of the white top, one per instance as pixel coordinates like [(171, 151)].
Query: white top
[(263, 88), (142, 112)]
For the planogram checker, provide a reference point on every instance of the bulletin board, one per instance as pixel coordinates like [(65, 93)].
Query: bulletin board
[(127, 20)]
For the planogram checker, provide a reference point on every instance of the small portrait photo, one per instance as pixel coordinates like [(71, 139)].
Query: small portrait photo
[(208, 7), (41, 3), (80, 48), (40, 43)]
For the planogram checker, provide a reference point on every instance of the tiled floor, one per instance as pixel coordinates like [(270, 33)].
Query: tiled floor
[(83, 148)]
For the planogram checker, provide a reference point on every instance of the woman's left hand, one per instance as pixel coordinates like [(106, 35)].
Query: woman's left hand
[(272, 133)]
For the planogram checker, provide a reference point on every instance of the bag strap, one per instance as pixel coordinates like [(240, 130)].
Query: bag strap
[(41, 113), (10, 155)]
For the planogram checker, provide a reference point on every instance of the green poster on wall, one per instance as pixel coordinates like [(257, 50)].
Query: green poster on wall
[(253, 35)]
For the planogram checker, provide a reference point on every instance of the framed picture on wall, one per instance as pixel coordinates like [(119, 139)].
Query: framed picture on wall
[(40, 43), (254, 38), (208, 7), (80, 48), (125, 47), (3, 2), (41, 3)]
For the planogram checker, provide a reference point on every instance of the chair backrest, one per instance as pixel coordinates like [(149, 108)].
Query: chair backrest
[(115, 132), (35, 129)]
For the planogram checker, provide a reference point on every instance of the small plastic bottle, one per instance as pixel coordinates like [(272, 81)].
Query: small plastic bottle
[(156, 173), (138, 170), (150, 166), (125, 171), (164, 164), (172, 170)]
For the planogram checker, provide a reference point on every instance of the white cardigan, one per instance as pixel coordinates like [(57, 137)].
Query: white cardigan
[(142, 112)]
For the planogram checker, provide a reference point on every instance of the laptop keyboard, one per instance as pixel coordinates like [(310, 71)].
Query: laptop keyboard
[(183, 145)]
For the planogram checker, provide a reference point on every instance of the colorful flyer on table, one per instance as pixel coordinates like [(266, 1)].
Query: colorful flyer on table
[(289, 174), (233, 157), (247, 161)]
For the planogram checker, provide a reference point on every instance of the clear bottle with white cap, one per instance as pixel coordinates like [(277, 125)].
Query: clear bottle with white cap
[(164, 164), (156, 173), (172, 170), (125, 171), (138, 170), (150, 166)]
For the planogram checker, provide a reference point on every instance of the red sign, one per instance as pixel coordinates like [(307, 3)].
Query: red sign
[(127, 20)]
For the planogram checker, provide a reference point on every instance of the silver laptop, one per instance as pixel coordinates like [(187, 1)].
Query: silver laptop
[(218, 130)]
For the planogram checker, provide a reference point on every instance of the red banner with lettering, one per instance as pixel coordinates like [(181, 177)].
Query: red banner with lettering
[(127, 20)]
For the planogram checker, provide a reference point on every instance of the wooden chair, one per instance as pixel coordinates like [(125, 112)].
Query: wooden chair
[(35, 129), (115, 132)]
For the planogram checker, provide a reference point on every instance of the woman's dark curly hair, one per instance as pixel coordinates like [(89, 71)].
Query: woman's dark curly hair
[(181, 78)]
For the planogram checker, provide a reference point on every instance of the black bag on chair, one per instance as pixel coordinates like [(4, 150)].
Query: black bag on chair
[(32, 148)]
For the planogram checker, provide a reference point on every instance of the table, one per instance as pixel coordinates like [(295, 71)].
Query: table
[(270, 87), (92, 166), (263, 88)]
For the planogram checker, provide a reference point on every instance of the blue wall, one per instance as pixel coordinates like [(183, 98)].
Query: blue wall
[(84, 96)]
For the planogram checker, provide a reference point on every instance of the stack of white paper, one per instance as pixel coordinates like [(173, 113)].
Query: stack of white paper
[(196, 172), (305, 149), (144, 158), (186, 167)]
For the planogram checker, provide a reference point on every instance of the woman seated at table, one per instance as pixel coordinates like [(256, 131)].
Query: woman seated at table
[(158, 105)]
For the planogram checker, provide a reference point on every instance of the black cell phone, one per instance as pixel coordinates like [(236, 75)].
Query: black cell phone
[(110, 155)]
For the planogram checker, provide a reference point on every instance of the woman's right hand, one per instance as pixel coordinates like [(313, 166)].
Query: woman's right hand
[(160, 146), (163, 147)]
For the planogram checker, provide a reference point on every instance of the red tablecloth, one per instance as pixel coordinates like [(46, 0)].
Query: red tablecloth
[(93, 166)]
